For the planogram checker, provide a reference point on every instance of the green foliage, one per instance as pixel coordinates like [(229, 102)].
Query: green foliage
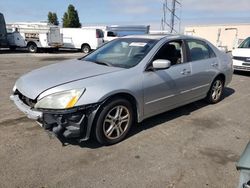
[(71, 18), (52, 18), (65, 20)]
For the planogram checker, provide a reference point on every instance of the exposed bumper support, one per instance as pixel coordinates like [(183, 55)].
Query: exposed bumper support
[(32, 114), (72, 123)]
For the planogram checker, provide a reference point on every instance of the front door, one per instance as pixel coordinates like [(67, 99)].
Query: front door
[(162, 87)]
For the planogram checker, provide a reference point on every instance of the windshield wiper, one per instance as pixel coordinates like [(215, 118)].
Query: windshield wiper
[(102, 63)]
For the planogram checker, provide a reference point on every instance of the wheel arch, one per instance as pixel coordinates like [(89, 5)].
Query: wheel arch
[(125, 95), (86, 44), (107, 99), (222, 76), (31, 42)]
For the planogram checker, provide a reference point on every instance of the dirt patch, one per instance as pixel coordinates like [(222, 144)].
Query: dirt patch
[(10, 122), (207, 123), (36, 127), (220, 156)]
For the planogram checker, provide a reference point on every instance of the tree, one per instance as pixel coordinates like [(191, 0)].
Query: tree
[(70, 18), (52, 18), (65, 20)]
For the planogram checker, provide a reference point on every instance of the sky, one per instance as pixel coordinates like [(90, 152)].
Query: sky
[(146, 12)]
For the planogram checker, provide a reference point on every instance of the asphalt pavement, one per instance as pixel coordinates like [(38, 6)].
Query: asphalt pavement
[(196, 145)]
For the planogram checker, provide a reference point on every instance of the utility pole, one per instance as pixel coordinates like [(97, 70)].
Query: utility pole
[(172, 16), (167, 11)]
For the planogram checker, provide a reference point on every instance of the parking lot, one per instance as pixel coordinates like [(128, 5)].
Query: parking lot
[(196, 145)]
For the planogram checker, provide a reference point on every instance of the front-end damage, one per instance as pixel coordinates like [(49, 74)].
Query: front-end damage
[(65, 124), (73, 123)]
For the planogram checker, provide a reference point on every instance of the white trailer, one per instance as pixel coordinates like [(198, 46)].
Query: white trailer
[(123, 30), (114, 31), (34, 36), (85, 39)]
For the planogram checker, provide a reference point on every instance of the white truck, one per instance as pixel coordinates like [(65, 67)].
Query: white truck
[(85, 39), (108, 35), (114, 31), (123, 30), (34, 36)]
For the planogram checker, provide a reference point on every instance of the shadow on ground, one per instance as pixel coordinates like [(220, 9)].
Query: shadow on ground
[(242, 73), (154, 121)]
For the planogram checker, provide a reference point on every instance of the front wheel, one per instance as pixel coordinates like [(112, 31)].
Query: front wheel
[(215, 93), (114, 122)]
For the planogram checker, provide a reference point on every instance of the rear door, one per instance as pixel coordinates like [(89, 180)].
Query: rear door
[(204, 64), (55, 37), (99, 37)]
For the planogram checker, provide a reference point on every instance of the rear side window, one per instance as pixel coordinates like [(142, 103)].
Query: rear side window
[(99, 33), (199, 50), (245, 43)]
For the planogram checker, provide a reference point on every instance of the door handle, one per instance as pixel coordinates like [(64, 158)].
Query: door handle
[(214, 64), (185, 71)]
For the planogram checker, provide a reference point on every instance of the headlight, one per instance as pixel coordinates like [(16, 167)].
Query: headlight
[(60, 100), (14, 88)]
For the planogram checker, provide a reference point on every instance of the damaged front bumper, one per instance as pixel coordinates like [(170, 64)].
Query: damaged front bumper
[(70, 123), (32, 114)]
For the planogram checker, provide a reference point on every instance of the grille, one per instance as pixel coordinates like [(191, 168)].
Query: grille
[(246, 59), (242, 68), (25, 99)]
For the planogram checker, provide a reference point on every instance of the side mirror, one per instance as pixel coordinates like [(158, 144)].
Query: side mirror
[(161, 64)]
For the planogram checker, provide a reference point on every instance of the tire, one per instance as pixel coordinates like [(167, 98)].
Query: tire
[(114, 121), (85, 48), (216, 91), (12, 48), (32, 47)]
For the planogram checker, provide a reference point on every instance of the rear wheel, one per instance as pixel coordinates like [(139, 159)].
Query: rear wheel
[(215, 93), (85, 48), (32, 47), (114, 122)]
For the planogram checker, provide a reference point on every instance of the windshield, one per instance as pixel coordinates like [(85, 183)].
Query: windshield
[(124, 52), (245, 43)]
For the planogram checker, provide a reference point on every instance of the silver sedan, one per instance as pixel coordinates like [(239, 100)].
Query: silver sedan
[(125, 81)]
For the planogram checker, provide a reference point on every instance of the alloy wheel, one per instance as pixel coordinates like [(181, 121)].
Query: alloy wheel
[(116, 122), (217, 90)]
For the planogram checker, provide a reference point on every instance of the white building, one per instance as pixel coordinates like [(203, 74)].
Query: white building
[(227, 36)]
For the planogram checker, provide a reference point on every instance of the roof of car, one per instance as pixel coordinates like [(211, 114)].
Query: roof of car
[(157, 36)]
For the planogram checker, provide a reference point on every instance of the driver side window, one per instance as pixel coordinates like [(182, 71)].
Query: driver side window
[(172, 51)]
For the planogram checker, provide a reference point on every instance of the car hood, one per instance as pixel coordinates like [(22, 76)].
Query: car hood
[(241, 52), (35, 82)]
